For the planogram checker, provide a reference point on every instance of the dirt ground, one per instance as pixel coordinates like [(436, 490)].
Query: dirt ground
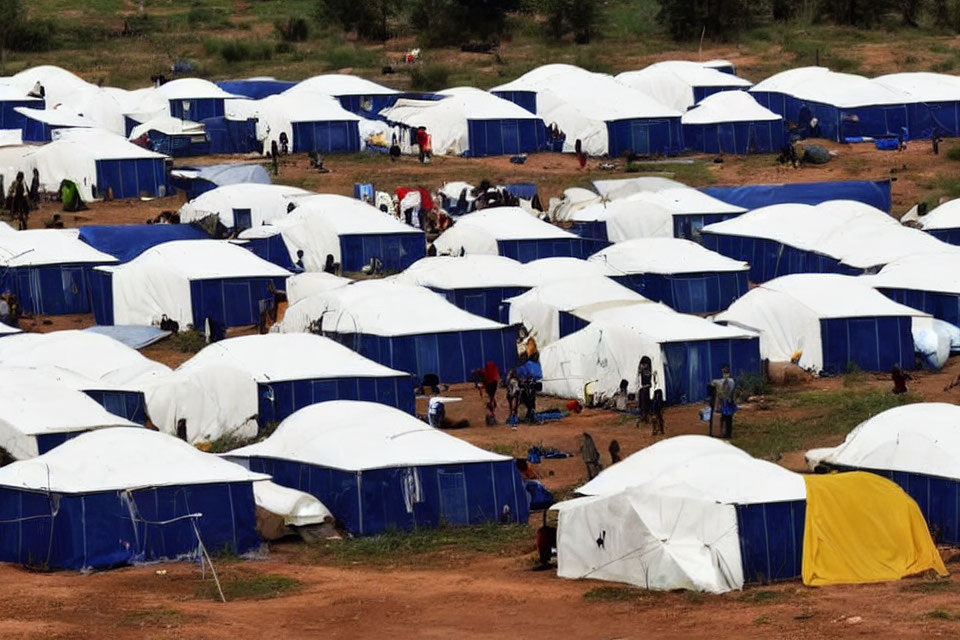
[(478, 594)]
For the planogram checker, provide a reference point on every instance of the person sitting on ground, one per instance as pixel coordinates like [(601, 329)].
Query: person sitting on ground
[(618, 401), (900, 378), (526, 471), (54, 223), (329, 266)]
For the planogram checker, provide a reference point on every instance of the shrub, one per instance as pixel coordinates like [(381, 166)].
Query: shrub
[(293, 30), (34, 36), (239, 51), (349, 56), (953, 153), (208, 17), (429, 78)]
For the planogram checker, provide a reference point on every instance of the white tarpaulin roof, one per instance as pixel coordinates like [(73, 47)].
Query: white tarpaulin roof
[(56, 117), (917, 438), (358, 436), (466, 272), (192, 88), (167, 125), (479, 232), (665, 256), (581, 102), (280, 357), (37, 247), (384, 308), (728, 106), (628, 218), (539, 308), (547, 270), (924, 86), (672, 81), (787, 312), (38, 408), (845, 90), (157, 282), (303, 285), (669, 194), (117, 459), (265, 201), (339, 84), (946, 216), (922, 272)]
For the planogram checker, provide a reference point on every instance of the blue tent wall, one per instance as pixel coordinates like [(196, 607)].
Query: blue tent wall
[(699, 93), (690, 366), (197, 109), (707, 292), (397, 251), (232, 136), (504, 137), (38, 131), (942, 306), (335, 136), (771, 540), (370, 502), (645, 136), (255, 89), (232, 302), (927, 116), (525, 99), (50, 290), (950, 236), (685, 226), (100, 286), (534, 249), (131, 178), (178, 145), (570, 323), (355, 103), (482, 301), (97, 529), (10, 119), (278, 400), (591, 230), (48, 441), (873, 344), (452, 356), (835, 123), (126, 242), (272, 249), (736, 137), (127, 404), (770, 259), (875, 194)]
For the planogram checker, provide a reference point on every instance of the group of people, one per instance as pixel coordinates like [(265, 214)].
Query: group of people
[(521, 391), (9, 309), (21, 199)]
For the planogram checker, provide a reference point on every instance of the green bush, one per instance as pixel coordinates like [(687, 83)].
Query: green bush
[(953, 153), (283, 47), (34, 35), (429, 78), (239, 51), (209, 17), (293, 30), (349, 57)]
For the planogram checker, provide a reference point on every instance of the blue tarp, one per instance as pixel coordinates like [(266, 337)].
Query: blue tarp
[(50, 289), (530, 250), (334, 136), (873, 193), (504, 137), (134, 336), (37, 130), (451, 356), (522, 190), (942, 306), (482, 301), (690, 366), (232, 136), (645, 136), (113, 528), (873, 344), (197, 109), (272, 249), (131, 178), (10, 119), (219, 175), (278, 400), (770, 259), (690, 292), (685, 226), (771, 540), (255, 89), (950, 236), (525, 99), (835, 123), (372, 501), (127, 404), (736, 137), (177, 145), (396, 251), (126, 242)]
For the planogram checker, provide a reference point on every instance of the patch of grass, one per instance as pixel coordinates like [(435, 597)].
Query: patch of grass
[(834, 413), (954, 153), (398, 547), (613, 594), (250, 586), (348, 56), (693, 597), (752, 384), (160, 617), (189, 341), (761, 596), (233, 51), (431, 77), (931, 586), (762, 620), (695, 174), (941, 614), (854, 375)]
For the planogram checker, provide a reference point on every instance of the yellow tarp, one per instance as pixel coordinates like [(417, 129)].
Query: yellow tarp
[(863, 528)]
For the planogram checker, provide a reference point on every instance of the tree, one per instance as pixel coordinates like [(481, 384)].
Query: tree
[(581, 17), (12, 17), (719, 19), (442, 22), (369, 18)]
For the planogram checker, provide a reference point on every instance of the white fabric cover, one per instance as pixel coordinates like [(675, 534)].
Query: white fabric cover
[(916, 438), (157, 282), (787, 311), (466, 272), (665, 256), (318, 221), (844, 90), (167, 125), (297, 508), (581, 102), (36, 247), (539, 308), (56, 117), (358, 436), (608, 349), (118, 459), (924, 86), (628, 218), (266, 202), (104, 106), (341, 84), (728, 106), (381, 307), (479, 232), (672, 81), (192, 89), (921, 272), (547, 270), (45, 407), (303, 285), (446, 119), (946, 216)]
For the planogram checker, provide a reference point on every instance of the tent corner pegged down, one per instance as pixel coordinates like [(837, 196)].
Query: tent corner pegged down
[(861, 527)]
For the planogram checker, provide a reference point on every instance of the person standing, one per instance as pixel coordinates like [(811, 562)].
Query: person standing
[(645, 380), (724, 400), (35, 189), (491, 380), (656, 414), (513, 397), (614, 450), (19, 206), (900, 378), (591, 457)]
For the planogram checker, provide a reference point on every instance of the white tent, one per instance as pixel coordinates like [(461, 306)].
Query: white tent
[(157, 282), (608, 349), (475, 271), (479, 232), (381, 307), (341, 84), (787, 311), (549, 270), (843, 90), (63, 117), (672, 82), (923, 86), (356, 436), (266, 203), (303, 285), (447, 119), (938, 272), (30, 411), (628, 218), (581, 103), (946, 216), (169, 126), (916, 438), (573, 199), (37, 247), (317, 223), (671, 195), (539, 308), (665, 517), (728, 106), (664, 256)]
